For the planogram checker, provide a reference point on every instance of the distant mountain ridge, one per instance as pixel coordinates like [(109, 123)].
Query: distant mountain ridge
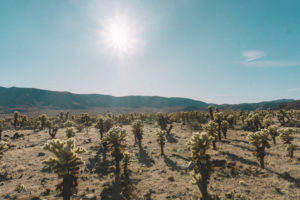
[(27, 99)]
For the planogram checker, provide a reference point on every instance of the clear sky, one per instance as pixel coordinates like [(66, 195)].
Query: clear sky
[(218, 51)]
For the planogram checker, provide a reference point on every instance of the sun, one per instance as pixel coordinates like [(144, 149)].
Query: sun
[(120, 36)]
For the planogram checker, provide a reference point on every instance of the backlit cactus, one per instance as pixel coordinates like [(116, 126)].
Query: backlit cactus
[(199, 144), (115, 140), (161, 139), (137, 130), (66, 164), (260, 140)]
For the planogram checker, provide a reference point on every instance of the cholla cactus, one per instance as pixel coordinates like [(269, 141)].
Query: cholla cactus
[(273, 132), (163, 121), (115, 140), (224, 127), (43, 118), (212, 128), (219, 116), (3, 147), (267, 122), (260, 140), (66, 164), (230, 118), (127, 159), (199, 144), (161, 139), (68, 124), (85, 119), (100, 126), (286, 135), (290, 149), (137, 130), (210, 112), (38, 126), (16, 119), (70, 132), (1, 128)]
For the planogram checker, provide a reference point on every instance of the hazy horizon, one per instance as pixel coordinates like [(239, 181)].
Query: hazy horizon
[(213, 51)]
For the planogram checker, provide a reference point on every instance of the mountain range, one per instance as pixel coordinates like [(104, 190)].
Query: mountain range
[(31, 99)]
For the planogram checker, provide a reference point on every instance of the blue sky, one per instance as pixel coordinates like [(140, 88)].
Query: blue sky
[(218, 51)]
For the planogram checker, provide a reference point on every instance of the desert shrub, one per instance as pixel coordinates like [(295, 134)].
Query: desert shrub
[(66, 164), (212, 128), (137, 130), (161, 139), (199, 144), (70, 132), (260, 140), (115, 140)]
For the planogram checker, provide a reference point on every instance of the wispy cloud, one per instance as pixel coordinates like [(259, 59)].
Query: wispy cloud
[(293, 90), (253, 55), (253, 59)]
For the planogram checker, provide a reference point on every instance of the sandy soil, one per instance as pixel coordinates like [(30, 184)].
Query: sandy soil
[(23, 176)]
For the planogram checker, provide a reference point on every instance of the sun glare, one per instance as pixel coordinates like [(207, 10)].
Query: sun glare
[(120, 36)]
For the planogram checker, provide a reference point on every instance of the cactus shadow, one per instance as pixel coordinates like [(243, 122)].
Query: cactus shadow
[(171, 138), (286, 176), (170, 163), (241, 141), (144, 158), (101, 167), (238, 158)]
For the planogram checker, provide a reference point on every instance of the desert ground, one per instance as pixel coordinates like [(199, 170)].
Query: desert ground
[(152, 176)]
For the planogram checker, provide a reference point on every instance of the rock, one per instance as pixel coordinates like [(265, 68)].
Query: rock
[(41, 154), (90, 197), (191, 165), (171, 178)]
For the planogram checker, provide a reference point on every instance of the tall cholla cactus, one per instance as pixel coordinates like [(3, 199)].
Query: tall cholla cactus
[(219, 116), (286, 136), (70, 132), (100, 126), (161, 139), (224, 126), (137, 130), (212, 128), (273, 132), (66, 164), (115, 140), (199, 144), (260, 140)]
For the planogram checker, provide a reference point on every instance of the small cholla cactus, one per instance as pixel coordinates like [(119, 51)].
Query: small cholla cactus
[(230, 118), (68, 124), (127, 159), (100, 126), (199, 144), (163, 121), (52, 130), (70, 132), (66, 164), (224, 126), (115, 140), (260, 140), (286, 136), (85, 119), (273, 132), (161, 139), (38, 126), (137, 130), (212, 128)]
